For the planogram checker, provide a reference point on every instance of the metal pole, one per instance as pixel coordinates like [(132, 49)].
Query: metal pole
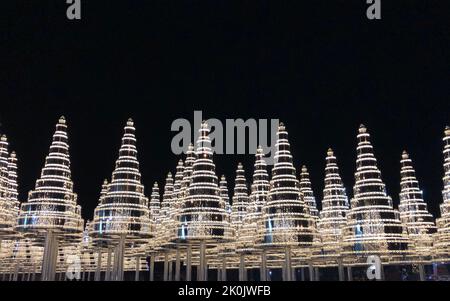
[(99, 266), (341, 270), (138, 259), (422, 272), (263, 269), (120, 258), (166, 266), (188, 263), (349, 274), (317, 274), (108, 265), (287, 264), (170, 277), (224, 269), (177, 265), (311, 272), (202, 261), (242, 267), (152, 267)]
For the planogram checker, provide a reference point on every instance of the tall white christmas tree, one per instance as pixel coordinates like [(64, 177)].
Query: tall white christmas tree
[(248, 233), (414, 210), (52, 209), (287, 222), (203, 219), (123, 215), (332, 218), (442, 242), (373, 226)]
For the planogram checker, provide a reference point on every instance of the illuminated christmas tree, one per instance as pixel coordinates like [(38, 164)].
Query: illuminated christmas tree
[(308, 194), (287, 221), (248, 234), (332, 218), (203, 210), (223, 186), (12, 185), (203, 218), (240, 198), (123, 213), (52, 209), (373, 226), (414, 211), (8, 190), (442, 242), (155, 206), (166, 211)]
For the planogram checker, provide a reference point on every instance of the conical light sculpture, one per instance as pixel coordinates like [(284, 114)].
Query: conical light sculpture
[(308, 194), (332, 218), (287, 223), (373, 226), (203, 218), (123, 214), (52, 211), (414, 210), (442, 242)]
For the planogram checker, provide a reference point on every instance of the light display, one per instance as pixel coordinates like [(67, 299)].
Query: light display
[(9, 204), (308, 194), (203, 219), (332, 217), (273, 226), (123, 215), (373, 226), (52, 209), (414, 211), (442, 242)]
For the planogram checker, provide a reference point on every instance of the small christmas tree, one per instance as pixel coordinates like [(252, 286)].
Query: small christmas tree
[(8, 190), (308, 194)]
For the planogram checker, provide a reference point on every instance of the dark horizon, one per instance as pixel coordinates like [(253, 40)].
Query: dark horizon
[(320, 67)]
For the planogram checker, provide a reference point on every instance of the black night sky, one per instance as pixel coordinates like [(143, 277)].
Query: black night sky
[(319, 66)]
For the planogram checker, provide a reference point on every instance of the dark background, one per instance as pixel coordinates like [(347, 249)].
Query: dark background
[(320, 66)]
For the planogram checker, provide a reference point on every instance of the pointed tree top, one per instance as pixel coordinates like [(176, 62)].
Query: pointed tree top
[(362, 128), (405, 155), (204, 124), (13, 154), (62, 120), (169, 175), (105, 181), (130, 122), (155, 184), (180, 162), (304, 169), (447, 131), (330, 152), (222, 178), (281, 126), (240, 166), (191, 146), (3, 138)]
